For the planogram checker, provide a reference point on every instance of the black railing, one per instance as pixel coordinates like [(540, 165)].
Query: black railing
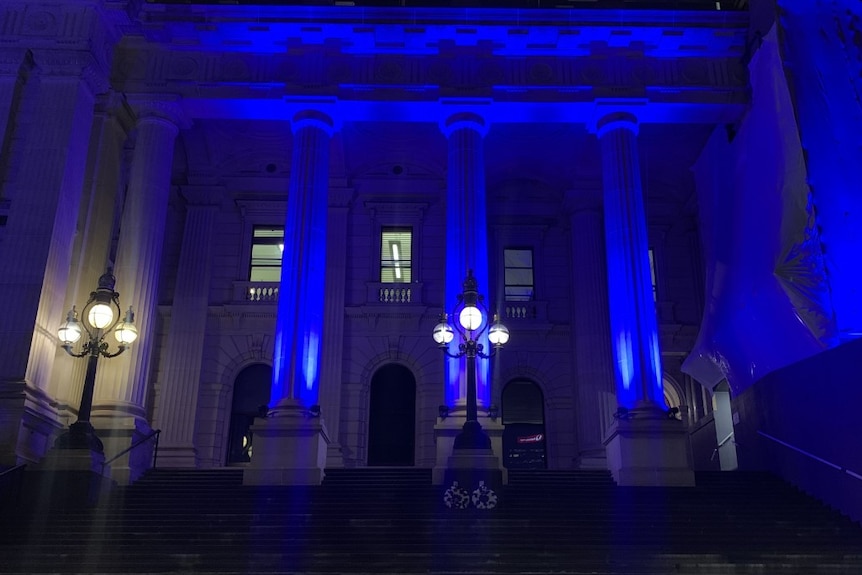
[(153, 435)]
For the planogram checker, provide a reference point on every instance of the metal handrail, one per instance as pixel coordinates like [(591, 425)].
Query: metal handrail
[(155, 433), (812, 456), (721, 444), (12, 470)]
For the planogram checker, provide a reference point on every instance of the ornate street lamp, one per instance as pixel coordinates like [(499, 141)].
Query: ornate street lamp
[(101, 316), (473, 321)]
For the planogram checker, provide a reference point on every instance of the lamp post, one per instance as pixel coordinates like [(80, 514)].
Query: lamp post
[(101, 315), (472, 322)]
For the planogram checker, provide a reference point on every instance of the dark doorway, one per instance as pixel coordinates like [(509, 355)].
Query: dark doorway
[(524, 439), (392, 417), (250, 396)]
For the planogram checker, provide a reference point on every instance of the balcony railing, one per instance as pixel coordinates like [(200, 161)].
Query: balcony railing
[(524, 310), (260, 292), (394, 293)]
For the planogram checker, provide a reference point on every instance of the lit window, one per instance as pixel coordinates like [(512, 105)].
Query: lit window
[(518, 265), (396, 255), (652, 274), (267, 246)]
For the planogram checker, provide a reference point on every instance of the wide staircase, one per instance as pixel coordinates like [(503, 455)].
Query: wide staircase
[(380, 520)]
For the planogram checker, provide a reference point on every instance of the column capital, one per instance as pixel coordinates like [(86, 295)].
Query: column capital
[(313, 118), (464, 120), (164, 108), (616, 120), (71, 64), (11, 60)]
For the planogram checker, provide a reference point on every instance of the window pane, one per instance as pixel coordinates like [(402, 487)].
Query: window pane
[(518, 274), (396, 255), (267, 247), (518, 258)]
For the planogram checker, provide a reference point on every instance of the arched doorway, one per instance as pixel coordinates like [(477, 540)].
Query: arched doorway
[(250, 397), (524, 439), (392, 417)]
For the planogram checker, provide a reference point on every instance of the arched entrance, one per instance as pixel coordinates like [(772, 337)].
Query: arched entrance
[(250, 396), (392, 417), (524, 439)]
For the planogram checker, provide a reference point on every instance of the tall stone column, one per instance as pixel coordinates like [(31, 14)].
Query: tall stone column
[(121, 386), (466, 252), (331, 369), (591, 338), (47, 159), (177, 400), (644, 446), (467, 229), (290, 446), (96, 227)]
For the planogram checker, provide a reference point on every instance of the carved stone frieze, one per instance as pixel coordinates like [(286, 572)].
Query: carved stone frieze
[(360, 76)]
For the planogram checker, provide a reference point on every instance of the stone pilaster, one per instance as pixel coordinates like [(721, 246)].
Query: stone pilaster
[(49, 154), (176, 410), (643, 446), (121, 384), (331, 369), (291, 444), (591, 339)]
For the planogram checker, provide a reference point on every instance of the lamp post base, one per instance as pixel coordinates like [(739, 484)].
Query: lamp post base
[(472, 436), (80, 435)]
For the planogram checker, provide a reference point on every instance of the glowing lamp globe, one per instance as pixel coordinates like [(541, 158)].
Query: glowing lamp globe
[(100, 316), (126, 332), (498, 335), (443, 333), (470, 318), (70, 331)]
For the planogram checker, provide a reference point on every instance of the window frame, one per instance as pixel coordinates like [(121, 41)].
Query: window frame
[(382, 263), (254, 242), (532, 268)]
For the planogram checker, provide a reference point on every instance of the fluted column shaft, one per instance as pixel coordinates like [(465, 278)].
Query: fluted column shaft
[(467, 238), (333, 331), (177, 401), (591, 322), (96, 225), (297, 354), (122, 383), (633, 323)]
